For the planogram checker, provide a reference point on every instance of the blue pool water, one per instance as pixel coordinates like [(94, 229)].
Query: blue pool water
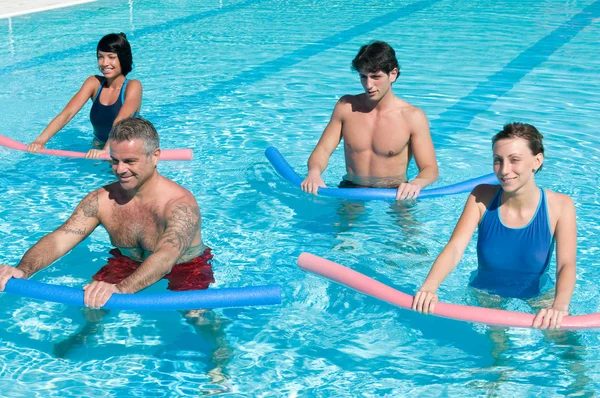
[(229, 78)]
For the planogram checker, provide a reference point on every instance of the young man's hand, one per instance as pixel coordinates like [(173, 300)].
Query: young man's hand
[(312, 183), (407, 190)]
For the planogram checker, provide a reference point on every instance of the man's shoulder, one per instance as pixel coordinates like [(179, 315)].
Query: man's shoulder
[(350, 99), (176, 194), (184, 205), (108, 193), (350, 103), (109, 190), (413, 116), (408, 110)]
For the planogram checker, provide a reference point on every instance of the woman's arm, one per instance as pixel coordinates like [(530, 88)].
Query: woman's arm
[(565, 234), (87, 90), (450, 256)]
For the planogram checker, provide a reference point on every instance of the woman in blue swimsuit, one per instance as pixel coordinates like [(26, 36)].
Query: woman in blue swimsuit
[(518, 226), (114, 97)]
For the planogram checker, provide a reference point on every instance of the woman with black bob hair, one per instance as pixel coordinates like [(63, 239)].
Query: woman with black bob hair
[(114, 97)]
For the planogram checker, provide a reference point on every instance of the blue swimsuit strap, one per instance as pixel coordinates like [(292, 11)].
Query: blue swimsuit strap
[(122, 90), (99, 89), (542, 203)]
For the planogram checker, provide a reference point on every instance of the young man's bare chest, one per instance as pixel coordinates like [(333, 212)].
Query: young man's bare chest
[(385, 135)]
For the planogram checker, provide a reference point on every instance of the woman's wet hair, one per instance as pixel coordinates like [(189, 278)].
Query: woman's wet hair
[(117, 43), (374, 57), (136, 128), (524, 131)]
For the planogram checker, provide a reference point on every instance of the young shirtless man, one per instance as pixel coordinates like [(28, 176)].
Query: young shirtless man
[(381, 132), (153, 222)]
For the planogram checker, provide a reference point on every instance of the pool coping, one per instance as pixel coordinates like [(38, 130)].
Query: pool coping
[(32, 6)]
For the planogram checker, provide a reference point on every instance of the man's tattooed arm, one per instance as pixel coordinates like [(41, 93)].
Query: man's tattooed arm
[(183, 225), (56, 244)]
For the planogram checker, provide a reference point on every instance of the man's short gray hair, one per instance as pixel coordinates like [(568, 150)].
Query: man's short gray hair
[(136, 128)]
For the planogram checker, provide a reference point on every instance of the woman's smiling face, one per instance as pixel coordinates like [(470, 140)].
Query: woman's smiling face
[(514, 163), (109, 64)]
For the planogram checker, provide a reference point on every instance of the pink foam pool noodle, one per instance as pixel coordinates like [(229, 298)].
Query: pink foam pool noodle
[(362, 283), (165, 154)]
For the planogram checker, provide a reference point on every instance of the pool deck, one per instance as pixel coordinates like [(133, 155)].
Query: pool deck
[(13, 8)]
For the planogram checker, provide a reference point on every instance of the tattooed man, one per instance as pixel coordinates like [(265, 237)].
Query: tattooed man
[(153, 222)]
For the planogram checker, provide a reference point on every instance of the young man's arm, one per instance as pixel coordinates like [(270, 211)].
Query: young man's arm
[(319, 159), (54, 245), (424, 153), (183, 223)]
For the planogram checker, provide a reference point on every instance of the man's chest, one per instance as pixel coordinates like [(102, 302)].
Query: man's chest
[(134, 226), (382, 135)]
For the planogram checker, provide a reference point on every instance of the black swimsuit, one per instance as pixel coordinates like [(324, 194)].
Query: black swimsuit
[(103, 116)]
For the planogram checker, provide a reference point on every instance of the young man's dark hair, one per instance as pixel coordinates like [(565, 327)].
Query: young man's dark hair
[(374, 57)]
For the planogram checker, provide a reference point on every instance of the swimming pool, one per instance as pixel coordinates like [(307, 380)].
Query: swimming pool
[(229, 78)]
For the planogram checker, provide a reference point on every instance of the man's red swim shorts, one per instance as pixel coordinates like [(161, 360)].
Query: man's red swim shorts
[(195, 274)]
